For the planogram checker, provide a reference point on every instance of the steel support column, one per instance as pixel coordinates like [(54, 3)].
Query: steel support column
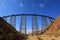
[(13, 21), (51, 20), (10, 21), (23, 24), (34, 24), (44, 22), (5, 18)]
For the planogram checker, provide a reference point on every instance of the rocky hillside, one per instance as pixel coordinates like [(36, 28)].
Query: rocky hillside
[(55, 27), (8, 32), (53, 33)]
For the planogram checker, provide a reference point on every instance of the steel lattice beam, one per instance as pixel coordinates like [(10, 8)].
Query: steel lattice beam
[(23, 24), (13, 21), (27, 15), (5, 18), (34, 24), (44, 22)]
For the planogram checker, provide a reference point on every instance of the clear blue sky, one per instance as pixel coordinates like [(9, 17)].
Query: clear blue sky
[(45, 7)]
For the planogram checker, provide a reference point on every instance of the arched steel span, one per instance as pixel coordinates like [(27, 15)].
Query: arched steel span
[(28, 15), (23, 19)]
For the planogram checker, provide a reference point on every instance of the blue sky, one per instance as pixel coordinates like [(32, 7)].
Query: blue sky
[(45, 7)]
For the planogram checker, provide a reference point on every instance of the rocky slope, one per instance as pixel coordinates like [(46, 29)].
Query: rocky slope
[(53, 33), (8, 32)]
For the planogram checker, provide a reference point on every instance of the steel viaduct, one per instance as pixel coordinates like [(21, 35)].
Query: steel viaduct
[(23, 20)]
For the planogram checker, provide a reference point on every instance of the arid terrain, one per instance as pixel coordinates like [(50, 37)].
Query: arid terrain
[(53, 33)]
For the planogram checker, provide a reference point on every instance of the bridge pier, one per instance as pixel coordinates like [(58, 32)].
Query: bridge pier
[(23, 24), (5, 18), (34, 24), (44, 22), (13, 21)]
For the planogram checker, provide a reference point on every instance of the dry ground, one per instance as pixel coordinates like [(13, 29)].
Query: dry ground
[(43, 37)]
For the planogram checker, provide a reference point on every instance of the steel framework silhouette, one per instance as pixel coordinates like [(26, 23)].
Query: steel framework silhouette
[(23, 20)]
